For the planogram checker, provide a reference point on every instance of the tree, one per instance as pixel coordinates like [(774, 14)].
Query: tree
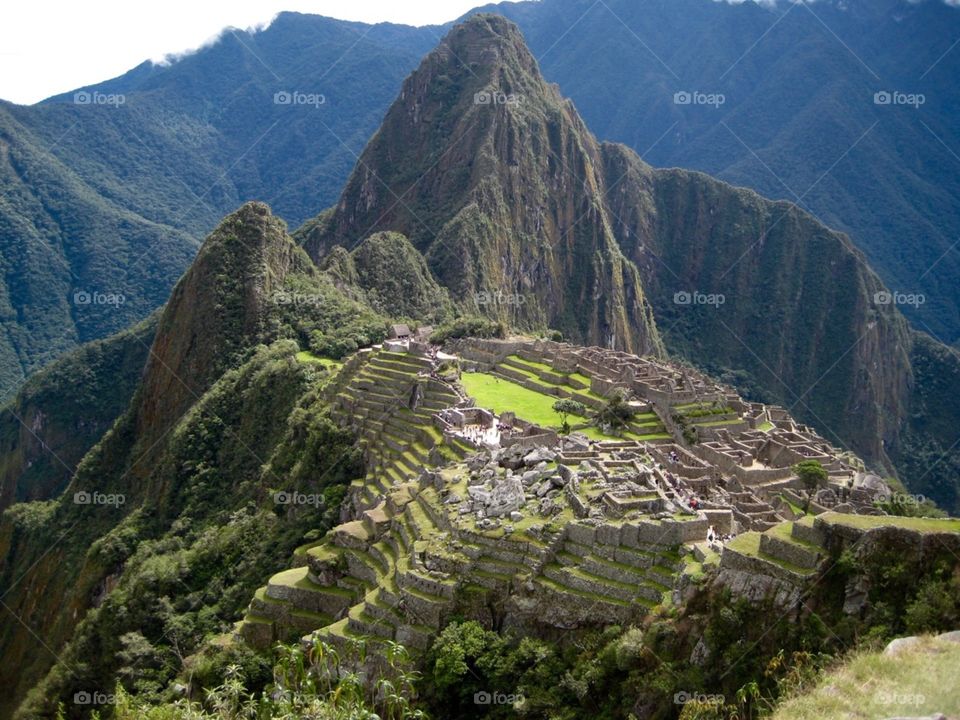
[(566, 407), (811, 473), (617, 413)]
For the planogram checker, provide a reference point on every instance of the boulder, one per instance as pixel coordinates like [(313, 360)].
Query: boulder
[(539, 455), (895, 647)]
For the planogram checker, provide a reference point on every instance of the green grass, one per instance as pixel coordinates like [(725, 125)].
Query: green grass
[(502, 395), (765, 426), (868, 522), (305, 356), (917, 682)]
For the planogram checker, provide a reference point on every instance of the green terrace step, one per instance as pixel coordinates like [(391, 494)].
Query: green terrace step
[(364, 624), (594, 598), (580, 579), (294, 586)]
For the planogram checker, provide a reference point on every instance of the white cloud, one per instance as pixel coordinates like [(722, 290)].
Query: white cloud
[(49, 47)]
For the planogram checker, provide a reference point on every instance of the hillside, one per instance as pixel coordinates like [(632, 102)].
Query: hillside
[(64, 410), (213, 405), (151, 176), (114, 198), (909, 683)]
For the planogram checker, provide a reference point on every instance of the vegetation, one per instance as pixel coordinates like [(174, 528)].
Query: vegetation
[(811, 473), (916, 682), (469, 327), (616, 414), (566, 407), (320, 683)]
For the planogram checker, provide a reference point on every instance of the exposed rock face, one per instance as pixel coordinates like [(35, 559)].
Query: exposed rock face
[(495, 179)]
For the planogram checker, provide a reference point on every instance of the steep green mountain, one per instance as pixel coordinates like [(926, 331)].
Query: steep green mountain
[(110, 197), (176, 500), (798, 120), (495, 180), (195, 137), (63, 410), (516, 199), (173, 519), (391, 276)]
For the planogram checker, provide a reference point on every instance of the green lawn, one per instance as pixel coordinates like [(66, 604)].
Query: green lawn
[(305, 356), (502, 395)]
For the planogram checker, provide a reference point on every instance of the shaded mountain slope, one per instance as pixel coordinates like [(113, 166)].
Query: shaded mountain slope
[(63, 410), (798, 121)]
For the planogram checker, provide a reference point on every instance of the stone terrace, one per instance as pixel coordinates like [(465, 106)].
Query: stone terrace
[(466, 513)]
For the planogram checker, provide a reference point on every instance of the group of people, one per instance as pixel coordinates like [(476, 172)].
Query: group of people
[(477, 433), (715, 539)]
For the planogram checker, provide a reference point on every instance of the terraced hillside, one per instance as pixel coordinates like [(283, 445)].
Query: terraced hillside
[(472, 504)]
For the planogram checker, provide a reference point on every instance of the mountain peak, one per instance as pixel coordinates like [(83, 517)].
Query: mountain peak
[(494, 178)]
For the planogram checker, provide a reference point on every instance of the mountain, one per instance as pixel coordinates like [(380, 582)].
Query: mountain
[(68, 258), (174, 518), (226, 409), (796, 117), (113, 197), (497, 183), (108, 190), (515, 197), (63, 410)]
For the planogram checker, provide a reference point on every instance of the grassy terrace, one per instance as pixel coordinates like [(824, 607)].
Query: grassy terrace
[(530, 370), (501, 395), (748, 543), (868, 522), (305, 356)]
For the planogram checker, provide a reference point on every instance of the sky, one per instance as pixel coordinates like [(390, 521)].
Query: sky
[(48, 47)]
